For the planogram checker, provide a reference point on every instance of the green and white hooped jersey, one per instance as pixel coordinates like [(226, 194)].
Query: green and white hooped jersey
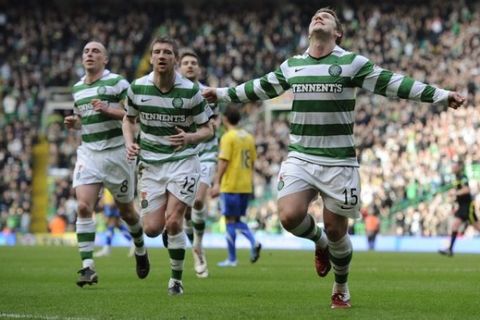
[(100, 132), (208, 150), (324, 93), (159, 113)]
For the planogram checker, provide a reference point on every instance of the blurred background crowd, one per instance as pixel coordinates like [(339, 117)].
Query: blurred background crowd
[(406, 150)]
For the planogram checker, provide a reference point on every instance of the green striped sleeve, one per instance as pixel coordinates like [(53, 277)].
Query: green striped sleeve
[(132, 104), (382, 82), (281, 79), (405, 87), (427, 94), (199, 108), (267, 87), (122, 94), (364, 71), (250, 92), (233, 95)]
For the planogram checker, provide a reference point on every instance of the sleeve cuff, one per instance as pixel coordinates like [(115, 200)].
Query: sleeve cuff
[(441, 96)]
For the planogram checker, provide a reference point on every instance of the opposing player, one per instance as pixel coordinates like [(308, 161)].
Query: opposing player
[(465, 212), (322, 159), (208, 151), (112, 215), (101, 158), (173, 119), (234, 182)]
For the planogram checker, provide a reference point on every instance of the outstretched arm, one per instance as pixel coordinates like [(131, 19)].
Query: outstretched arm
[(387, 83), (267, 87)]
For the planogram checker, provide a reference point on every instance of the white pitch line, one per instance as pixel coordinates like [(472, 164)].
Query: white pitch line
[(36, 316)]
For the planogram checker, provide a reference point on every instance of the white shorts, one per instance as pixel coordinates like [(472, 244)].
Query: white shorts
[(207, 172), (109, 167), (339, 187), (178, 177)]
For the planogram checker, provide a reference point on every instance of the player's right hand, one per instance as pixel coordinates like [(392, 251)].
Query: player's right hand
[(210, 94), (133, 149), (215, 190), (455, 100), (70, 121)]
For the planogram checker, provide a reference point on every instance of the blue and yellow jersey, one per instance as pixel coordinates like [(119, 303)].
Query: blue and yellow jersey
[(107, 198), (237, 146)]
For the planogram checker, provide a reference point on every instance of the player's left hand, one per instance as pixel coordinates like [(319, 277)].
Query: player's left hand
[(215, 190), (455, 100), (99, 105), (210, 94), (180, 139)]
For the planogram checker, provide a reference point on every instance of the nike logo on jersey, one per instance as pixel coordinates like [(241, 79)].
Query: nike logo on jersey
[(145, 100), (298, 69), (346, 208)]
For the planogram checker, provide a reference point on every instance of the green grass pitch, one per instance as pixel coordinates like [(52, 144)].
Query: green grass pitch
[(39, 283)]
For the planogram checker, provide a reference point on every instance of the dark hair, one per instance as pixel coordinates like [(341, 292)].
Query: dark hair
[(187, 53), (232, 114), (168, 40), (337, 22)]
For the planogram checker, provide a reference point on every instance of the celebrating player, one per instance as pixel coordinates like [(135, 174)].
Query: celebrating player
[(173, 119), (322, 159), (101, 158), (208, 150)]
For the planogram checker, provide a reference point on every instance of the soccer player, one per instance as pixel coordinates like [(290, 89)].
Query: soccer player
[(208, 151), (112, 214), (234, 182), (321, 158), (465, 212), (101, 157), (173, 119)]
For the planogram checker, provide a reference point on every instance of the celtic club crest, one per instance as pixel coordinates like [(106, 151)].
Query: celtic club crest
[(177, 102), (335, 70), (101, 90)]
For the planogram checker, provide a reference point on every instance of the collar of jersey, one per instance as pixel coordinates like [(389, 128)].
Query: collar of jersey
[(105, 73), (178, 79)]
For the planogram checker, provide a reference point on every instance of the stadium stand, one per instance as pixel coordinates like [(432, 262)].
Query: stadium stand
[(405, 149)]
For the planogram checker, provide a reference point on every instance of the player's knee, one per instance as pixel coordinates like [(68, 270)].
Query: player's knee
[(288, 218), (151, 232), (333, 233), (288, 221), (84, 210), (198, 204), (173, 226), (129, 215)]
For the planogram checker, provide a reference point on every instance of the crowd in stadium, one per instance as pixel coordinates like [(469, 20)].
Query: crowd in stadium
[(405, 149)]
